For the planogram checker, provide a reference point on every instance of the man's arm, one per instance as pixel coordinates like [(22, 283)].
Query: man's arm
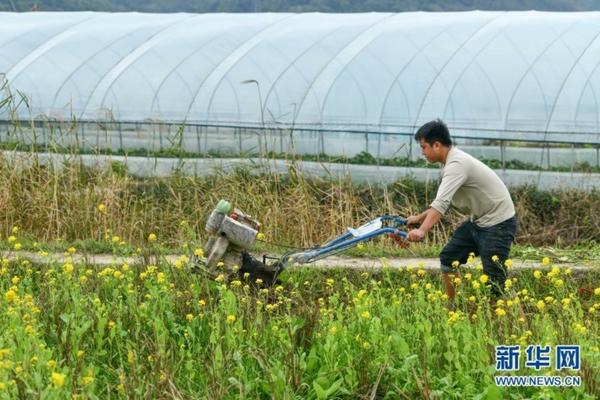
[(416, 219), (432, 217), (452, 179)]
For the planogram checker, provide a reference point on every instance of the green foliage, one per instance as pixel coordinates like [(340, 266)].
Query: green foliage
[(175, 150), (118, 168), (159, 331)]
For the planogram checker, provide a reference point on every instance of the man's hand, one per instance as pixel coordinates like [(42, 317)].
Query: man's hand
[(400, 241), (413, 220), (416, 235)]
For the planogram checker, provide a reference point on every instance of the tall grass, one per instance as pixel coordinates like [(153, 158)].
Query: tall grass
[(51, 203)]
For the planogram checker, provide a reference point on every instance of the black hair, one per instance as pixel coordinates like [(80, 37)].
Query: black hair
[(434, 131)]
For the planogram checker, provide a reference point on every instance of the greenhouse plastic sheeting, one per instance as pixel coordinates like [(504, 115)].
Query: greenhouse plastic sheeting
[(508, 74)]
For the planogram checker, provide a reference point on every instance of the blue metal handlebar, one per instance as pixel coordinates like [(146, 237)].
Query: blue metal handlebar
[(349, 239)]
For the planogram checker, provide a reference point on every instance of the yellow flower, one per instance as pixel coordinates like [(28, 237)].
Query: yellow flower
[(597, 291), (468, 276), (189, 317), (559, 283), (553, 272), (508, 263), (537, 274), (68, 268), (152, 237), (18, 246), (484, 278), (201, 303), (71, 250), (545, 261), (260, 236), (475, 285), (15, 230), (579, 328), (58, 379), (508, 284), (365, 314), (80, 353), (333, 330), (199, 252), (270, 307), (495, 258), (15, 279), (101, 207), (500, 312), (366, 345), (12, 239), (111, 324), (116, 239), (472, 299), (540, 305), (453, 317), (231, 319), (86, 380), (455, 264), (10, 296), (130, 357)]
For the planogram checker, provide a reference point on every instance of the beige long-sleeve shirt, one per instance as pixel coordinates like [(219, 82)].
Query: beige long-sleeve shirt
[(473, 188)]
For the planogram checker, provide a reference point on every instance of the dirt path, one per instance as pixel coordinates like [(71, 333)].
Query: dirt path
[(360, 263)]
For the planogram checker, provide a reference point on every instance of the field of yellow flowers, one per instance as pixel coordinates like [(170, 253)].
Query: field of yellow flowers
[(71, 330)]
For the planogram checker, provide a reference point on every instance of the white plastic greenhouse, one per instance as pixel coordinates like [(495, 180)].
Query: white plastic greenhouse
[(530, 76)]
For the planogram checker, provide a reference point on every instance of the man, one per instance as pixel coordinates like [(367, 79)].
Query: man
[(474, 189)]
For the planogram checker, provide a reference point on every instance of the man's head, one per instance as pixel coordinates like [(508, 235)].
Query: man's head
[(434, 139)]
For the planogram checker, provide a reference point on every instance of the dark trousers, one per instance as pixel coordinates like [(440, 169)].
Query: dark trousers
[(486, 242)]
